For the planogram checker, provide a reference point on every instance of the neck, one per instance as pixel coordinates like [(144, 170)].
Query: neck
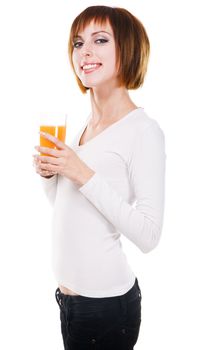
[(109, 105)]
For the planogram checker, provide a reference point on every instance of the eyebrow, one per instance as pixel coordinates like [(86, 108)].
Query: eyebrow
[(100, 31)]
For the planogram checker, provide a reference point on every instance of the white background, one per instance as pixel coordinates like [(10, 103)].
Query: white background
[(36, 78)]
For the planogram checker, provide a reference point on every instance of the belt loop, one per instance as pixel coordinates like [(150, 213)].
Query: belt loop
[(58, 298)]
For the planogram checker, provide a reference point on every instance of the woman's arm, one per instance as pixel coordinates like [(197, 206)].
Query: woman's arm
[(50, 185), (141, 224), (48, 180)]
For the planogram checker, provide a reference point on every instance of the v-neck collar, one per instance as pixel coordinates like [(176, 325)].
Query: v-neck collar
[(103, 131)]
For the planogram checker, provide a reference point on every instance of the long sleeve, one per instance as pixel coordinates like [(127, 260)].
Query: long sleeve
[(50, 187), (142, 223)]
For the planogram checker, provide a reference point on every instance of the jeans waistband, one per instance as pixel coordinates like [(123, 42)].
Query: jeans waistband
[(63, 299)]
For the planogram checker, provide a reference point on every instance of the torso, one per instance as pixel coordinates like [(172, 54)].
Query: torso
[(92, 131), (87, 135)]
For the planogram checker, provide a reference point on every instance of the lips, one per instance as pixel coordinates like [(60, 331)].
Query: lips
[(90, 65)]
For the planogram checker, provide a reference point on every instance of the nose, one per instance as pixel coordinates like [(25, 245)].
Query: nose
[(87, 50)]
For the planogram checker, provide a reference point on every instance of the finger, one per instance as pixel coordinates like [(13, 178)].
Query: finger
[(35, 163), (50, 151), (46, 159), (53, 139), (35, 159), (49, 167), (41, 171), (47, 173), (38, 168)]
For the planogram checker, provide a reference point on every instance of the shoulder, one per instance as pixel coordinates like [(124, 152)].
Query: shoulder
[(142, 121), (145, 134), (142, 124)]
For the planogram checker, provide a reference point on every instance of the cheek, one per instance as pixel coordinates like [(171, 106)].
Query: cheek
[(110, 65), (75, 60), (111, 59)]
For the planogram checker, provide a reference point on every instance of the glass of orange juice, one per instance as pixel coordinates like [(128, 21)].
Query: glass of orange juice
[(54, 125)]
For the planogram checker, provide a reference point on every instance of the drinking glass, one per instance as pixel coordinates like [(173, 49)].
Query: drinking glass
[(55, 125)]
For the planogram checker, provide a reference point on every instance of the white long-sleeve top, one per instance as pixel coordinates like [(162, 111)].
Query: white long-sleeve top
[(124, 196)]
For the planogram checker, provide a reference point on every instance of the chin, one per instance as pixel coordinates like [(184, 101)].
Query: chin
[(93, 85)]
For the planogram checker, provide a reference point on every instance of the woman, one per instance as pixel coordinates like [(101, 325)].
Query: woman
[(109, 182)]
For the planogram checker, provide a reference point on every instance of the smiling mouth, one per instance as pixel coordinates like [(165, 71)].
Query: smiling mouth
[(88, 68)]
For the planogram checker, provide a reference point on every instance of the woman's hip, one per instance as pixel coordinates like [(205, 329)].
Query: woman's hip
[(102, 320)]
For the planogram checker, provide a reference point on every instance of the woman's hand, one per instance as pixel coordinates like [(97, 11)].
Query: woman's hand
[(63, 161), (44, 173)]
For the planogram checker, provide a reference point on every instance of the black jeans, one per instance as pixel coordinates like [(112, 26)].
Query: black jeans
[(110, 323)]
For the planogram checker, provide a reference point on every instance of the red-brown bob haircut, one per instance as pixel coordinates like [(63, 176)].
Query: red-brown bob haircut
[(131, 40)]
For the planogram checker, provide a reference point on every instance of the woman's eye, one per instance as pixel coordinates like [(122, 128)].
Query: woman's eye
[(78, 44), (102, 40)]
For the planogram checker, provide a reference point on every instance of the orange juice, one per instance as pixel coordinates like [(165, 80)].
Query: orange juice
[(61, 132), (57, 131)]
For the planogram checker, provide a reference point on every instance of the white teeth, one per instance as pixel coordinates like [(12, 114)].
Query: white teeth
[(89, 66)]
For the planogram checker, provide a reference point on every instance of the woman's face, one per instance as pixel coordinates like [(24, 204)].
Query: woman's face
[(94, 56)]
